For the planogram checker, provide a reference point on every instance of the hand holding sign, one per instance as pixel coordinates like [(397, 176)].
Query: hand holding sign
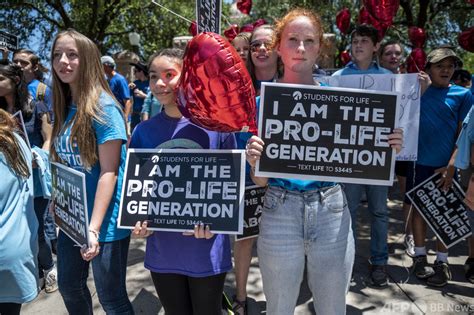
[(141, 230), (88, 253), (253, 150), (395, 139), (200, 232)]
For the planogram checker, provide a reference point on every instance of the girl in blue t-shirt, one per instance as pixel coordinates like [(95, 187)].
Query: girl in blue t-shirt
[(303, 218), (18, 236), (188, 269), (89, 136)]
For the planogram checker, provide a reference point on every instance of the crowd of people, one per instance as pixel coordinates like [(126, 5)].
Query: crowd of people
[(90, 115)]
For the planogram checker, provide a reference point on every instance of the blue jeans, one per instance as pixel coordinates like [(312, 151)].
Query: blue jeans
[(109, 269), (317, 225), (45, 256), (377, 206)]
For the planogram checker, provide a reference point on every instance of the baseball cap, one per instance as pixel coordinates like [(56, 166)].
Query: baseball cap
[(107, 60), (141, 66), (439, 54)]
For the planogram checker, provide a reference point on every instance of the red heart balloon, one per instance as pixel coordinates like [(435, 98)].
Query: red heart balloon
[(466, 39), (231, 32), (259, 22), (417, 36), (382, 10), (244, 6), (215, 89), (416, 60), (345, 57), (247, 28), (365, 17), (193, 28), (343, 20)]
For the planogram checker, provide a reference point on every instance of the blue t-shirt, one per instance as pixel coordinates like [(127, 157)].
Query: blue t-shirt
[(172, 252), (465, 141), (119, 86), (143, 86), (352, 68), (441, 111), (18, 234), (48, 96), (151, 105), (111, 128)]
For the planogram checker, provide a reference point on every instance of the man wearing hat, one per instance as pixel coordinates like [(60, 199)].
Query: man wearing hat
[(118, 84), (140, 88), (443, 107)]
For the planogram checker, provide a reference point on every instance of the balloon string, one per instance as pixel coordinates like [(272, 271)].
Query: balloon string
[(414, 61), (172, 12)]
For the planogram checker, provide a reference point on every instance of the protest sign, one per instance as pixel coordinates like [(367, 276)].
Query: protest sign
[(208, 16), (252, 212), (327, 134), (444, 211), (19, 117), (9, 41), (176, 189), (408, 117), (70, 202)]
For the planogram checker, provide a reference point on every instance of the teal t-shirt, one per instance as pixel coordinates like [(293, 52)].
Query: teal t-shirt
[(111, 128), (18, 234)]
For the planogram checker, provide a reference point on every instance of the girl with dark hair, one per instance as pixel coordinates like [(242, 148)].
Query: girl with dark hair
[(89, 136), (18, 237), (188, 269)]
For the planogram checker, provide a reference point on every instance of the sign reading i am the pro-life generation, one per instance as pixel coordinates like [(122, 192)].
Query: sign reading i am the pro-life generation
[(175, 189), (208, 16), (444, 211), (254, 196), (326, 134), (70, 203)]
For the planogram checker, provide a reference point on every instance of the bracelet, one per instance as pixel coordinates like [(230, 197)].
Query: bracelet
[(96, 234)]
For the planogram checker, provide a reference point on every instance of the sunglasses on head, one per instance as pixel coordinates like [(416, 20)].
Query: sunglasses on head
[(256, 44)]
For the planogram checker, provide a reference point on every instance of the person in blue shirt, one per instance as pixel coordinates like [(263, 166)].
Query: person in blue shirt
[(263, 67), (118, 85), (89, 136), (364, 46), (18, 236), (304, 222), (30, 64), (139, 88), (365, 43), (465, 162), (151, 107), (443, 107), (14, 97)]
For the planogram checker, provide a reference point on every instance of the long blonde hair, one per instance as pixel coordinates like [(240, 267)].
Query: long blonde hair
[(91, 81), (10, 147)]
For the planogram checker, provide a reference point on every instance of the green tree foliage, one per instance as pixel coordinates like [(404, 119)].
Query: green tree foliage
[(109, 22), (442, 20)]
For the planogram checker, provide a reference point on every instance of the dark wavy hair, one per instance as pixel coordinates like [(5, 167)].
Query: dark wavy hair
[(23, 101)]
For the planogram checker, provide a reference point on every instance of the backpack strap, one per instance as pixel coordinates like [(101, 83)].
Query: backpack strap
[(41, 91)]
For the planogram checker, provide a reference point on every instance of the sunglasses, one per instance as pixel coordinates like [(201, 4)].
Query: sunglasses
[(256, 44)]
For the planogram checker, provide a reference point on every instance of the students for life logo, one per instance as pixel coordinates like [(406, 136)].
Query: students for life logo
[(297, 95)]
